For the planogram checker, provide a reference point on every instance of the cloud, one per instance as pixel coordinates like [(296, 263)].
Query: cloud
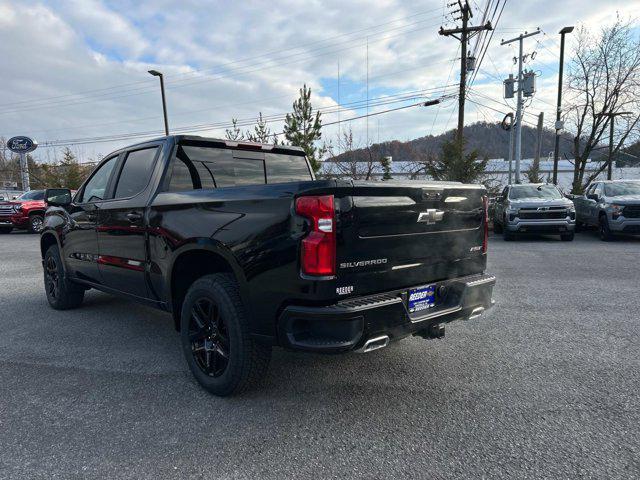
[(79, 67)]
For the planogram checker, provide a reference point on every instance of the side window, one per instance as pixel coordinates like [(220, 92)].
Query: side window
[(181, 179), (598, 190), (95, 188), (136, 172), (196, 167)]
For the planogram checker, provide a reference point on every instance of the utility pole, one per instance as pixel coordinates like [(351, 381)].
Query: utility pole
[(511, 155), (612, 118), (536, 160), (518, 153), (556, 148), (465, 33)]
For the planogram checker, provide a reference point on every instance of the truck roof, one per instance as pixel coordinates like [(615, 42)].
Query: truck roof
[(226, 143)]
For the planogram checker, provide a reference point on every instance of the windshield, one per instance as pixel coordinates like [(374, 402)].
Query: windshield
[(32, 195), (621, 188), (547, 192)]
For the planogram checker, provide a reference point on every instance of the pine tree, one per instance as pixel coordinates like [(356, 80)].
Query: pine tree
[(386, 168), (302, 128), (261, 132), (71, 173), (234, 133), (455, 165), (533, 172)]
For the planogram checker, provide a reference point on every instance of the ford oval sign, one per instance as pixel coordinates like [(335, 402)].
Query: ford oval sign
[(22, 144)]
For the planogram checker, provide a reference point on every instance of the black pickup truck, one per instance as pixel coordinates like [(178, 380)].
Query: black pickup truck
[(248, 251)]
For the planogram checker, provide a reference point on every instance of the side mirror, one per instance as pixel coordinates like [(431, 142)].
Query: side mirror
[(593, 196), (57, 197)]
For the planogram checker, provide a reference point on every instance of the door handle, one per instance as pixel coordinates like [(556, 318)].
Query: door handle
[(134, 216)]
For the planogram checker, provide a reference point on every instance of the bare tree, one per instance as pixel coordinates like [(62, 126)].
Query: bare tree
[(604, 80), (345, 159)]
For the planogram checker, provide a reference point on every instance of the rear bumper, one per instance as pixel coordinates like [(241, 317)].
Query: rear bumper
[(542, 226), (350, 324)]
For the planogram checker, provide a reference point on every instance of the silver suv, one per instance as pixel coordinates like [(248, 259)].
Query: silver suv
[(611, 205), (534, 208)]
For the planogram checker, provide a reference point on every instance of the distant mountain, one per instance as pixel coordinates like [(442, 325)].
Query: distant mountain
[(488, 138)]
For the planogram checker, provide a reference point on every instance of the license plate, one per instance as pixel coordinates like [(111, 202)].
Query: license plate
[(421, 298)]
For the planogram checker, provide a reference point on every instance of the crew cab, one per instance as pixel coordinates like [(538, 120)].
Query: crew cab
[(247, 251), (25, 212), (534, 208), (611, 205)]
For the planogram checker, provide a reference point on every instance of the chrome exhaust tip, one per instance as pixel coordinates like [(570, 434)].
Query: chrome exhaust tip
[(374, 343), (476, 312)]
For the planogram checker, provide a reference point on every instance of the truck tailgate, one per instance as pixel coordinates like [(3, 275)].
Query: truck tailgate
[(392, 235)]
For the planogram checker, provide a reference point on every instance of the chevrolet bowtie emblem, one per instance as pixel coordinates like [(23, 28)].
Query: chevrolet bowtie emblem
[(431, 216)]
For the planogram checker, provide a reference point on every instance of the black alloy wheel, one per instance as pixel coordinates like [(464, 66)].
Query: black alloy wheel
[(62, 293), (51, 278), (209, 337), (215, 333)]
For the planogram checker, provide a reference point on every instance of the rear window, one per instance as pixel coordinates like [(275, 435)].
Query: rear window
[(202, 167), (286, 168)]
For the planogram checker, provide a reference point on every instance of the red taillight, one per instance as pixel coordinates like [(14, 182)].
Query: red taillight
[(485, 240), (318, 256)]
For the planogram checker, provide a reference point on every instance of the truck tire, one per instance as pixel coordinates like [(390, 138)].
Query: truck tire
[(5, 230), (603, 229), (62, 294), (567, 237), (36, 223), (216, 340), (508, 236), (497, 227)]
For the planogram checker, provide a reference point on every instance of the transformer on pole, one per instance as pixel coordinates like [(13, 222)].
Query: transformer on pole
[(521, 85)]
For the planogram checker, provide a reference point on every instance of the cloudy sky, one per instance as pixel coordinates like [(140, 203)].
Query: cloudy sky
[(75, 71)]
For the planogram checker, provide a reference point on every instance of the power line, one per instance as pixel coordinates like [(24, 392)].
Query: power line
[(358, 105), (239, 71), (246, 59), (397, 72)]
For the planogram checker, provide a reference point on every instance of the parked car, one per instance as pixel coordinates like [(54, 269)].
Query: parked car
[(534, 208), (248, 251), (24, 212), (611, 205)]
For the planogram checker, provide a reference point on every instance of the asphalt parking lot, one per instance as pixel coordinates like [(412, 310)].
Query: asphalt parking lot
[(546, 385)]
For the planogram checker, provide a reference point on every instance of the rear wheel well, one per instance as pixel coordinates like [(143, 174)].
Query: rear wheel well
[(45, 242), (189, 267)]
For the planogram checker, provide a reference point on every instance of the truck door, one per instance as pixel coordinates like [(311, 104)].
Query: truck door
[(81, 241), (122, 233)]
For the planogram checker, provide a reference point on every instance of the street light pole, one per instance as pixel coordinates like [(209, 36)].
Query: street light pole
[(556, 148), (156, 73)]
